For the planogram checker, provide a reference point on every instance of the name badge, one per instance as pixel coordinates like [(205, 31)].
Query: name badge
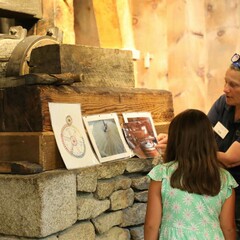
[(220, 130)]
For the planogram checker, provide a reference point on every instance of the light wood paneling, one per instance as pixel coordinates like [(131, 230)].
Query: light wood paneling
[(150, 35)]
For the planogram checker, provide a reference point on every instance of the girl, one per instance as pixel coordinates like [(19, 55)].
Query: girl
[(190, 196)]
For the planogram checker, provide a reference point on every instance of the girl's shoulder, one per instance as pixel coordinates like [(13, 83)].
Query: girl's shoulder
[(162, 170), (227, 179)]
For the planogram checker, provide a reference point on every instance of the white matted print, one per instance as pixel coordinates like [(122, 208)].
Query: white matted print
[(70, 135), (106, 136)]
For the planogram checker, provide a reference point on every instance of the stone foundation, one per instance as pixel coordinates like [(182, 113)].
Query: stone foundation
[(107, 202)]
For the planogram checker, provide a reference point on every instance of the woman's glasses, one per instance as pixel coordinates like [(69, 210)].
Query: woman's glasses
[(236, 60)]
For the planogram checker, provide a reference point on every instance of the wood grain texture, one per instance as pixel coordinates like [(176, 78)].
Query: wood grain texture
[(20, 167), (39, 79), (85, 25), (32, 8), (37, 147), (98, 66), (107, 20), (150, 35), (25, 108), (58, 14)]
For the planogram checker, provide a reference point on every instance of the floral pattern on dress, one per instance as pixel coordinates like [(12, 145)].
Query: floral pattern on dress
[(189, 216)]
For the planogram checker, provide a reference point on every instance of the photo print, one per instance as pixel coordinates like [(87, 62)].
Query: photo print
[(70, 135), (106, 137), (140, 134)]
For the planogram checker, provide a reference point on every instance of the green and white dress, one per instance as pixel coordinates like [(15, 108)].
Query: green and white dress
[(188, 215)]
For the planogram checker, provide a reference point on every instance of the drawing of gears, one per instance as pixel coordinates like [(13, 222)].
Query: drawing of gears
[(72, 139)]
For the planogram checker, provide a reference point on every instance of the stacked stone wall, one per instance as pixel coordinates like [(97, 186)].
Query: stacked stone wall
[(102, 202)]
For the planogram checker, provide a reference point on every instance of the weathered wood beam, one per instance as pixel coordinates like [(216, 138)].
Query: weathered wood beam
[(25, 108), (23, 8), (124, 15), (20, 167), (85, 24), (107, 23), (98, 67), (58, 14), (33, 147), (39, 79), (104, 23)]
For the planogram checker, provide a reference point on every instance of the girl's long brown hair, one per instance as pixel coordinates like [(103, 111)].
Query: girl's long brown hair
[(191, 143)]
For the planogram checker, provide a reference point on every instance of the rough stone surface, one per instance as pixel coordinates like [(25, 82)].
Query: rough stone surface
[(53, 237), (74, 205), (141, 196), (134, 215), (140, 182), (122, 182), (80, 231), (37, 205), (137, 233), (105, 188), (107, 220), (87, 180), (137, 165), (122, 199), (115, 233), (89, 207), (111, 169)]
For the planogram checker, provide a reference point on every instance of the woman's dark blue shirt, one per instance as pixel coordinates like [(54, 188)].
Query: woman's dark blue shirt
[(221, 112)]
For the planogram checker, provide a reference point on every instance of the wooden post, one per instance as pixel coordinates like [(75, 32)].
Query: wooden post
[(58, 14)]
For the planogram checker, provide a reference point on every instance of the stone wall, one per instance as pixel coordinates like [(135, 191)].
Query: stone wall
[(107, 202)]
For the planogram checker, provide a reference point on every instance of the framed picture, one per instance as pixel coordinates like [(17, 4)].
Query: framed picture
[(70, 135), (141, 116), (140, 134), (107, 137)]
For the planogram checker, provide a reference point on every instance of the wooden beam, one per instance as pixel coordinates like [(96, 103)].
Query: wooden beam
[(107, 23), (97, 66), (20, 167), (125, 23), (85, 24), (25, 8), (34, 147), (25, 108), (59, 14)]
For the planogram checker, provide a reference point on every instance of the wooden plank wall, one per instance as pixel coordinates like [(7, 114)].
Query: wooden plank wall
[(150, 35), (187, 55), (200, 44), (190, 42)]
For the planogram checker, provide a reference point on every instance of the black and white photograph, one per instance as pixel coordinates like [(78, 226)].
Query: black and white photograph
[(106, 136)]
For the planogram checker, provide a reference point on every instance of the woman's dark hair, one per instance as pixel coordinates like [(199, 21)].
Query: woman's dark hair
[(191, 143)]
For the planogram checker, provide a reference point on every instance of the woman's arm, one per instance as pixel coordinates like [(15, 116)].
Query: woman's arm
[(154, 211), (227, 218), (231, 157)]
